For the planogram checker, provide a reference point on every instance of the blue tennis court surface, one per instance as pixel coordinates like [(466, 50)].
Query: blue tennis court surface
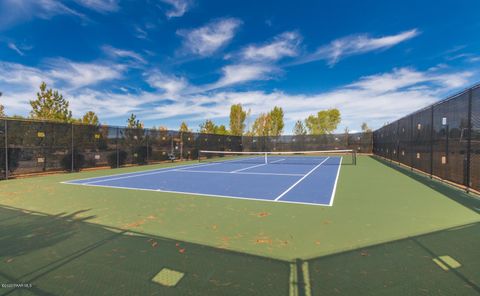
[(312, 182)]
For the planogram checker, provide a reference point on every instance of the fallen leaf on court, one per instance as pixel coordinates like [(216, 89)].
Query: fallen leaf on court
[(263, 214), (134, 224), (263, 241)]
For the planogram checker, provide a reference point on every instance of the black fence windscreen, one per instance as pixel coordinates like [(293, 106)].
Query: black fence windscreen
[(28, 146), (441, 140)]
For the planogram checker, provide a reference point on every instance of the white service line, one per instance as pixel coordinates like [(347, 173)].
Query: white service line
[(296, 183), (239, 173), (250, 167), (139, 173), (275, 161), (166, 170)]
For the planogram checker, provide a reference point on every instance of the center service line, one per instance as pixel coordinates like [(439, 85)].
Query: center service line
[(296, 183)]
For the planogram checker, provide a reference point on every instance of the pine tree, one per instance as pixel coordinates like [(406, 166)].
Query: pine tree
[(50, 105), (90, 118), (299, 128)]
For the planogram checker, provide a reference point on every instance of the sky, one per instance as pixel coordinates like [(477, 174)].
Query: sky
[(170, 61)]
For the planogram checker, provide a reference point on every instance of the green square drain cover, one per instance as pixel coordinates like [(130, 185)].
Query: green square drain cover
[(168, 277)]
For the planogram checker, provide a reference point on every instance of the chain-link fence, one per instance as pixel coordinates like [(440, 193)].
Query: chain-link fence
[(442, 140), (28, 146), (360, 142)]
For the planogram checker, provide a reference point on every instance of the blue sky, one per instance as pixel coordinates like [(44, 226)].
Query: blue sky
[(188, 60)]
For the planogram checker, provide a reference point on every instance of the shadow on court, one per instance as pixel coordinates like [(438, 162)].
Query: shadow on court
[(448, 191), (404, 267), (65, 255)]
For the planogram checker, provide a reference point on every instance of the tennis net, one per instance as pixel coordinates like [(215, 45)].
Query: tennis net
[(290, 157)]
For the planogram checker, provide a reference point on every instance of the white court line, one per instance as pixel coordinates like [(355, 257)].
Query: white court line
[(203, 194), (137, 173), (275, 161), (239, 173), (296, 183), (336, 181), (147, 172), (255, 166), (166, 170), (250, 167)]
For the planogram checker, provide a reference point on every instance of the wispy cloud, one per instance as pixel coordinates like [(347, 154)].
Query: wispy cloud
[(403, 78), (21, 78), (123, 54), (13, 47), (207, 39), (140, 33), (356, 44), (179, 7), (235, 74), (283, 45), (15, 11), (78, 75), (102, 6), (168, 85)]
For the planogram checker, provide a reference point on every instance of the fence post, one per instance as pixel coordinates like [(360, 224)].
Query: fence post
[(432, 131), (147, 136), (398, 142), (469, 140), (116, 148), (181, 145), (411, 143), (73, 152), (6, 150)]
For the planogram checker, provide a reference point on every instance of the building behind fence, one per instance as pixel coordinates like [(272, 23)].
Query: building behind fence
[(442, 140), (28, 146)]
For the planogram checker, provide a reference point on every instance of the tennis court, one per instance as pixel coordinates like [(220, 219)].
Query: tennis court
[(300, 177)]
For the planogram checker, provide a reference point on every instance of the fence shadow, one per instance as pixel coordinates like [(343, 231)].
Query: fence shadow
[(62, 255), (403, 267)]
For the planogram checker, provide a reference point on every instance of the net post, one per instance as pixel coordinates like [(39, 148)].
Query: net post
[(266, 157)]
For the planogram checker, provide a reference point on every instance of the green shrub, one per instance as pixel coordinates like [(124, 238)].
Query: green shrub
[(78, 161), (112, 158)]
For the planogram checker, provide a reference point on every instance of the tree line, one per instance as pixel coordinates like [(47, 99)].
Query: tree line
[(51, 105)]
